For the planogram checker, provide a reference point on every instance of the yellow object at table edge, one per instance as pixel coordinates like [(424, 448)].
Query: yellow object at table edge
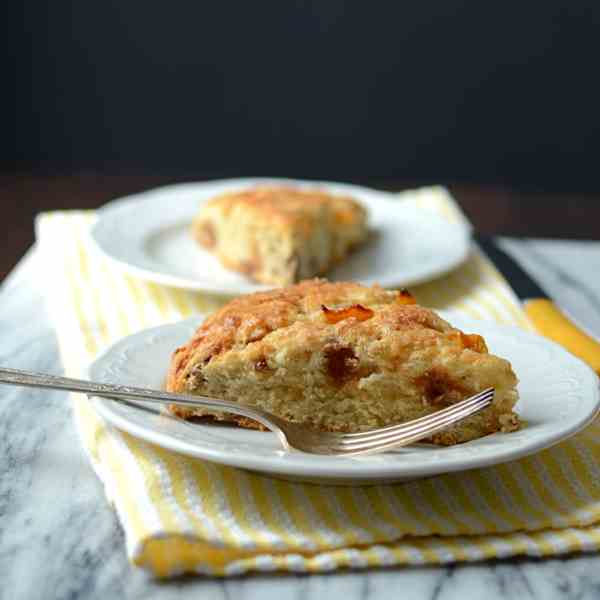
[(549, 321)]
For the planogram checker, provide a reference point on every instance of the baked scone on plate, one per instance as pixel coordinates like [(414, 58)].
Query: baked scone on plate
[(342, 357), (280, 235)]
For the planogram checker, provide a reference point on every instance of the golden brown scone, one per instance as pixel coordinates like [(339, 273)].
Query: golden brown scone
[(342, 357), (280, 235)]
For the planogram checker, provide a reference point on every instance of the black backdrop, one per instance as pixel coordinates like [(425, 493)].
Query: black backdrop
[(448, 91)]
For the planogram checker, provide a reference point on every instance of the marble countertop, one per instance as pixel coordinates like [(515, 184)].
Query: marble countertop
[(59, 538)]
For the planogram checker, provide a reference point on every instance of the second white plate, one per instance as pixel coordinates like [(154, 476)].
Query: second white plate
[(558, 396), (148, 235)]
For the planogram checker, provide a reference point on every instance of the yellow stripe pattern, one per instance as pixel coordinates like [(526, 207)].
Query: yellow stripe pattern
[(184, 515)]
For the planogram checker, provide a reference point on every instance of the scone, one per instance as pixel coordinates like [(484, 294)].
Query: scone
[(280, 235), (342, 357)]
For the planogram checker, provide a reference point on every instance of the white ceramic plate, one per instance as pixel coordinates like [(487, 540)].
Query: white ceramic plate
[(559, 396), (148, 235)]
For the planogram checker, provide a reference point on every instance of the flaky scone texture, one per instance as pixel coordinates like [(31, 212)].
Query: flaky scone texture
[(342, 357), (279, 235)]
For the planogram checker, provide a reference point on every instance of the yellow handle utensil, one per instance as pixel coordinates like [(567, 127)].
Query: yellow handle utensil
[(552, 323), (545, 316)]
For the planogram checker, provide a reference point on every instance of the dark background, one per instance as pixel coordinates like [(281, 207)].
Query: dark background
[(106, 98), (463, 91)]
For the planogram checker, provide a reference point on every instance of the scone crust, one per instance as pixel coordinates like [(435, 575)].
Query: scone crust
[(280, 234), (282, 344)]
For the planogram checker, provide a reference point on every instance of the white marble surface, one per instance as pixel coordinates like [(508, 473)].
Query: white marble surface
[(60, 539)]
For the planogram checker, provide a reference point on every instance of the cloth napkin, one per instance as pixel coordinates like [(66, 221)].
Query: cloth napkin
[(185, 515)]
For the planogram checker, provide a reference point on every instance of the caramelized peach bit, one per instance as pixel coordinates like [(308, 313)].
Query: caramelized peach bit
[(405, 297), (340, 362), (474, 342), (357, 311), (261, 365), (438, 387)]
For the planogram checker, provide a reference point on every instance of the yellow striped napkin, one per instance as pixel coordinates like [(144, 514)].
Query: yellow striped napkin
[(183, 515)]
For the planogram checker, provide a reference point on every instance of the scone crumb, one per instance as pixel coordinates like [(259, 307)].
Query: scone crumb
[(509, 422)]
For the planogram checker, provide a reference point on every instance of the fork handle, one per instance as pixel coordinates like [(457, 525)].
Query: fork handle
[(111, 391)]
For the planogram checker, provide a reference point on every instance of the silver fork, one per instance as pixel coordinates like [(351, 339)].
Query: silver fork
[(290, 435)]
